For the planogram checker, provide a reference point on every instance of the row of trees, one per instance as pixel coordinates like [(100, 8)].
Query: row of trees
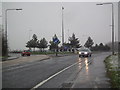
[(42, 44), (35, 43), (73, 44), (100, 47)]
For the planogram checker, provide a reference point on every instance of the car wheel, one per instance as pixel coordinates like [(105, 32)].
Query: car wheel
[(22, 54)]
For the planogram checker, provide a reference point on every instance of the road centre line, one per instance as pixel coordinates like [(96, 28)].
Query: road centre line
[(44, 81)]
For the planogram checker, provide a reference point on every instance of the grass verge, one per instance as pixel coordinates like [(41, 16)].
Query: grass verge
[(113, 70)]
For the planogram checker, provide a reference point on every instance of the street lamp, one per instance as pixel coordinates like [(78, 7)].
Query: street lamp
[(62, 26), (112, 24), (6, 27)]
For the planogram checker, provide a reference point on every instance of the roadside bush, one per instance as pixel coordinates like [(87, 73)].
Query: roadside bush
[(113, 73)]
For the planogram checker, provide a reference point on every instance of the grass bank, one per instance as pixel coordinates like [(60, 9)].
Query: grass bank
[(113, 70)]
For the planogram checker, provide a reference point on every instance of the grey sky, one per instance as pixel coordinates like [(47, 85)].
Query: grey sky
[(44, 19)]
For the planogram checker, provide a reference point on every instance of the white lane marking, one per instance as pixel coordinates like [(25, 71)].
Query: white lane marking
[(44, 81)]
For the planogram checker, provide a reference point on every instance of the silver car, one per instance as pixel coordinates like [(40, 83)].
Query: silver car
[(85, 52)]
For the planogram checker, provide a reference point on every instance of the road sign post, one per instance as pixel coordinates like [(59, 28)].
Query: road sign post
[(56, 52), (56, 41)]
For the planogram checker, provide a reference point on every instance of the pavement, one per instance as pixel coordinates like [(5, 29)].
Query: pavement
[(9, 58), (19, 60)]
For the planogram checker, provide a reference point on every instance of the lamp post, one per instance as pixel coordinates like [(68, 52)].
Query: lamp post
[(62, 27), (68, 35), (6, 46), (112, 24)]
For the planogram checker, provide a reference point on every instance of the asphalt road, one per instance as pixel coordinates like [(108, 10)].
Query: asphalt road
[(57, 72)]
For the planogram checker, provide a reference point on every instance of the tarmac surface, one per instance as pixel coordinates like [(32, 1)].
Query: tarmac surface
[(56, 72)]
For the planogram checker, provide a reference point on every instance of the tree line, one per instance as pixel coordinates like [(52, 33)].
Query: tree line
[(73, 44), (42, 44), (100, 47), (35, 43)]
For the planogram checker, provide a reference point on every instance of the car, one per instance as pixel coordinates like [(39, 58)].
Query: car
[(85, 52), (26, 53)]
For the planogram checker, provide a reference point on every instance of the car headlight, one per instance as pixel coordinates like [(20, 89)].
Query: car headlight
[(79, 52), (86, 52)]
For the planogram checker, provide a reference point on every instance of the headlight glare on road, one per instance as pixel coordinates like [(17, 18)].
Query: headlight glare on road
[(86, 52), (79, 52)]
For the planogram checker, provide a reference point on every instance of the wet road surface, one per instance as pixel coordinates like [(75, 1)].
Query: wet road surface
[(61, 72), (93, 75)]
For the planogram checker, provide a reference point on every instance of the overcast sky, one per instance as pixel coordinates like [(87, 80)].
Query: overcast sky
[(45, 19)]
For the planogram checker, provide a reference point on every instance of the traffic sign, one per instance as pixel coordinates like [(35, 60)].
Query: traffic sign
[(56, 40)]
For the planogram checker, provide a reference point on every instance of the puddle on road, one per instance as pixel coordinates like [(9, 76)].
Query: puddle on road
[(86, 65), (80, 63)]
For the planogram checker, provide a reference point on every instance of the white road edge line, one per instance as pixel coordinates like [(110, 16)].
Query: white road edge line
[(44, 81)]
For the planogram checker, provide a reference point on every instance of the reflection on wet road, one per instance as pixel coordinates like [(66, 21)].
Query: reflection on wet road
[(85, 62), (92, 73), (68, 71), (80, 64), (86, 65)]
